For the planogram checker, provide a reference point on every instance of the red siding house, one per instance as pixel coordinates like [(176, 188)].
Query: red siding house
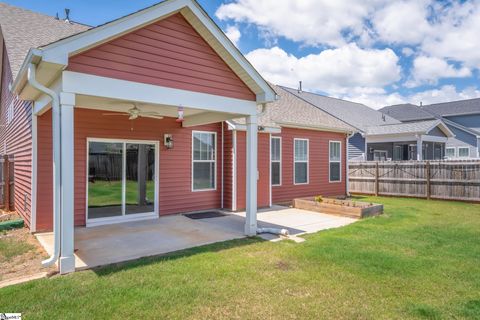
[(153, 114)]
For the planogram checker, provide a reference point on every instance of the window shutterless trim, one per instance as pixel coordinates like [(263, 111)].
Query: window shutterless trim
[(302, 161), (468, 150), (336, 161), (454, 151), (214, 161), (276, 161)]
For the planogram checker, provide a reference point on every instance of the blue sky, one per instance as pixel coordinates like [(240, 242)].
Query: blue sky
[(378, 52)]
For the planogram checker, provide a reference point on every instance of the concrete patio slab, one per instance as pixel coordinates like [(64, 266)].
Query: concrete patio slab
[(109, 244)]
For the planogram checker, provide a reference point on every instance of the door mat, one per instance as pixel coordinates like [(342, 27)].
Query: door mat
[(205, 215)]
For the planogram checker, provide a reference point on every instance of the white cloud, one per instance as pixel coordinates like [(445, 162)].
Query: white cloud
[(402, 22), (444, 94), (233, 33), (333, 70), (312, 22), (427, 70)]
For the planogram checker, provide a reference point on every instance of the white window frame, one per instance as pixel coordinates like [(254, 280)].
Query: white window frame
[(330, 161), (204, 161), (458, 152), (380, 151), (454, 151), (124, 217), (307, 161), (276, 161)]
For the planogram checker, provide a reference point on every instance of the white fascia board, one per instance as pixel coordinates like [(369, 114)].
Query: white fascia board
[(461, 127), (91, 85), (446, 130)]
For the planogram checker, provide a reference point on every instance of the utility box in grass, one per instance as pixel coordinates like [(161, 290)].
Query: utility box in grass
[(347, 208)]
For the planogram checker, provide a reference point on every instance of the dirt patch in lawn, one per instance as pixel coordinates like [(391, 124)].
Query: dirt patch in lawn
[(20, 254)]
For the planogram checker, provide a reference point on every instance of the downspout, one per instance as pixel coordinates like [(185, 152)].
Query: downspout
[(56, 161), (347, 180)]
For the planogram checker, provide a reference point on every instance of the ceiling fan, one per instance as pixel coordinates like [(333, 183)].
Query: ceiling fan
[(135, 112)]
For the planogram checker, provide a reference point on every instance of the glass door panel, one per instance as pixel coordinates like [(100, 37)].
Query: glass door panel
[(140, 178), (105, 175)]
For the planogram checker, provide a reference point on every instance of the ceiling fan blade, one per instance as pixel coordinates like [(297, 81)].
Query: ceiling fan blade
[(151, 116)]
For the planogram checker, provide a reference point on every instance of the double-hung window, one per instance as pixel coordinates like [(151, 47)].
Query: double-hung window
[(450, 152), (300, 161), (335, 161), (276, 160), (463, 152), (203, 160)]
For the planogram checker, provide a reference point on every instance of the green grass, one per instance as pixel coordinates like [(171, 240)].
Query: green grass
[(421, 260), (10, 248), (105, 193)]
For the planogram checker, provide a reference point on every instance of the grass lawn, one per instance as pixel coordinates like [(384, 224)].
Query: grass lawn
[(107, 193), (10, 248), (420, 260)]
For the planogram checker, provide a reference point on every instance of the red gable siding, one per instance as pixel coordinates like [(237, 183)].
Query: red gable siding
[(167, 53), (175, 195), (16, 141)]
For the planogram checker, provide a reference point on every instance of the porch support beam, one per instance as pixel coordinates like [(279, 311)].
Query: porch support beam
[(252, 176), (67, 259), (206, 118), (419, 148)]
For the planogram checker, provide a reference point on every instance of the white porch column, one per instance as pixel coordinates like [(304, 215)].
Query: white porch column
[(67, 259), (252, 176), (419, 148)]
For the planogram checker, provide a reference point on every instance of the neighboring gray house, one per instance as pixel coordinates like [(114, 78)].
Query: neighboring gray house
[(379, 136), (461, 117)]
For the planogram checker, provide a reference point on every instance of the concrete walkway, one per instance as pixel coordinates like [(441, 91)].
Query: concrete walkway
[(108, 244)]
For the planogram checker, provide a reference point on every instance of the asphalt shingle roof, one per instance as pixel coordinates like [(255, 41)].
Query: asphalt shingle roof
[(454, 107), (408, 127), (24, 29), (407, 112), (355, 114), (289, 109)]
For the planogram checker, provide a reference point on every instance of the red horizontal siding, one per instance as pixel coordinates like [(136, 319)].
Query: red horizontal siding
[(318, 166), (16, 141), (167, 53), (175, 195), (228, 169)]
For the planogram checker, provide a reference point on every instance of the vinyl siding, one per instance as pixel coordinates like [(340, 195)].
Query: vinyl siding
[(228, 169), (16, 141), (469, 121), (318, 166), (356, 146), (175, 194), (463, 139), (169, 53)]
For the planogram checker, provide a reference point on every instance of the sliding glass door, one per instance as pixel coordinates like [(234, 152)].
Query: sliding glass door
[(121, 180)]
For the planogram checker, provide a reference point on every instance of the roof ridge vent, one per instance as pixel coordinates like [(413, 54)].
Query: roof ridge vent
[(300, 90)]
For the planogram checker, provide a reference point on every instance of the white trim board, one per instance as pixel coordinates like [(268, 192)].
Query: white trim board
[(91, 85)]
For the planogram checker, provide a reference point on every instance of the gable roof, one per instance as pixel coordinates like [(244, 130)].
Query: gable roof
[(23, 29), (355, 114), (57, 53), (407, 112), (452, 108), (290, 111), (418, 127)]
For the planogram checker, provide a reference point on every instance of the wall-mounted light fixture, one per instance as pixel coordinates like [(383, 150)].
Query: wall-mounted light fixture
[(168, 140)]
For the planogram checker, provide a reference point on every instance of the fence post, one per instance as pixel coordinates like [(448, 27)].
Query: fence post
[(376, 179), (6, 182), (428, 180)]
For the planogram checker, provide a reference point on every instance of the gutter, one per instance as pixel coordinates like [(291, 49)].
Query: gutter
[(33, 57), (56, 144)]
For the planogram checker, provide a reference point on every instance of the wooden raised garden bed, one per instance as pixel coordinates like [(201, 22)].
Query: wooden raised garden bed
[(347, 208)]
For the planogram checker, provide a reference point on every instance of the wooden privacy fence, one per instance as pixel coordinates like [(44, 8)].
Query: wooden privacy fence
[(6, 183), (450, 180)]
